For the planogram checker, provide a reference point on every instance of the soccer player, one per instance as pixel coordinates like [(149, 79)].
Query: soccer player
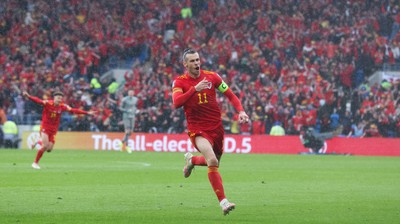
[(52, 110), (128, 108), (196, 92)]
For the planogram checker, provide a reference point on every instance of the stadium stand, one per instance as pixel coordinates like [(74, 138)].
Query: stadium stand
[(300, 63)]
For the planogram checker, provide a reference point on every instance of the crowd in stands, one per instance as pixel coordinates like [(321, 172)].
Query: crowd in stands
[(296, 63)]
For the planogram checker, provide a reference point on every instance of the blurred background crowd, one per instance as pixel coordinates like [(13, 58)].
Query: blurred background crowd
[(292, 63)]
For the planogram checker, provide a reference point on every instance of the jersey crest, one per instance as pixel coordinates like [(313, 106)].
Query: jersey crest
[(209, 85)]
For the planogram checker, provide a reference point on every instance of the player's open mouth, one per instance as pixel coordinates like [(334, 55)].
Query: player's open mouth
[(197, 68)]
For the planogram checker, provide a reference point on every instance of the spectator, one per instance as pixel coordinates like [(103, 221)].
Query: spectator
[(95, 85), (113, 87), (20, 107), (257, 125), (277, 129), (372, 131), (357, 130), (334, 120), (235, 128), (10, 138)]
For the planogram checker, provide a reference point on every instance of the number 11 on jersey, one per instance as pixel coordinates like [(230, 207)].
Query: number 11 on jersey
[(202, 98)]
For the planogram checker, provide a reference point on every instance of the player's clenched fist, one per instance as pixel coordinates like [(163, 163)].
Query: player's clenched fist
[(243, 117)]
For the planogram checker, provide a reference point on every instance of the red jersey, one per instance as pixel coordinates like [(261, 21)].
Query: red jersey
[(201, 109), (51, 114)]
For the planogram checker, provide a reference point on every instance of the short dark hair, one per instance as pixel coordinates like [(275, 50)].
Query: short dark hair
[(58, 93), (187, 51)]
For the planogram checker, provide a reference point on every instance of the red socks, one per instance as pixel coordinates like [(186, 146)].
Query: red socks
[(199, 161), (213, 176), (216, 181), (39, 155)]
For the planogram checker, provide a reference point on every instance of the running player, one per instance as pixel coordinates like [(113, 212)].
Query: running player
[(196, 92), (52, 110), (128, 108)]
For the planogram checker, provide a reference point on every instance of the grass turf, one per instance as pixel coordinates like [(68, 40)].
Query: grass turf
[(147, 187)]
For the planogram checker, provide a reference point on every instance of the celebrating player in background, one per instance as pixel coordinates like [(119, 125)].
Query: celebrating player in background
[(196, 92), (52, 110), (128, 108)]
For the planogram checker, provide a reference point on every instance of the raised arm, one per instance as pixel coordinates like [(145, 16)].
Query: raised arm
[(33, 98)]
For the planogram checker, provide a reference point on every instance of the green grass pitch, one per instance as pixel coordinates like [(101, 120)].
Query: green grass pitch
[(148, 187)]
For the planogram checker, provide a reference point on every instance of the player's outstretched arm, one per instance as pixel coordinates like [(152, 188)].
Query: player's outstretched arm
[(32, 98), (79, 111)]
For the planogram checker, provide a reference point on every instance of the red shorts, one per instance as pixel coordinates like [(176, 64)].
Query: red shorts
[(215, 137), (50, 134)]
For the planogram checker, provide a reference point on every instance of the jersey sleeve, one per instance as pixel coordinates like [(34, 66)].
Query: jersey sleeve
[(78, 111), (224, 88), (179, 98), (177, 86), (73, 110), (37, 100)]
